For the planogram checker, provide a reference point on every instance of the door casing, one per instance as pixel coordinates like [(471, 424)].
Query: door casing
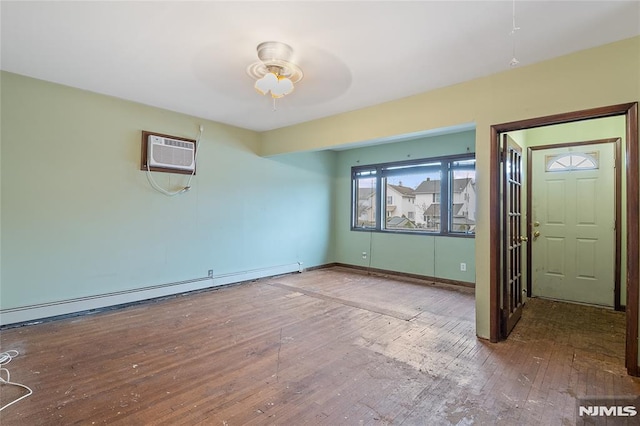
[(630, 111)]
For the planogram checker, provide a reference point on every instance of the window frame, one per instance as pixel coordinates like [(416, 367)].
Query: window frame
[(366, 173), (380, 171)]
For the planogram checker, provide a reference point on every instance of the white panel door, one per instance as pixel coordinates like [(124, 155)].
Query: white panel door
[(573, 254)]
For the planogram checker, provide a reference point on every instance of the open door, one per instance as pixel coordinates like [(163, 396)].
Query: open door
[(504, 303), (512, 243)]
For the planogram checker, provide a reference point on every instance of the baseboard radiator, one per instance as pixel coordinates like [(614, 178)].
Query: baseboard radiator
[(34, 313)]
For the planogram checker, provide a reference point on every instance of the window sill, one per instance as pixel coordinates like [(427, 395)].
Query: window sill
[(423, 233)]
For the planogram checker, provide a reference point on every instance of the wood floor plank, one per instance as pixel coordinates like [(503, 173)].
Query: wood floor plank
[(325, 347)]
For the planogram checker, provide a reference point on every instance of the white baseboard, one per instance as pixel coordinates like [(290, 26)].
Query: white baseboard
[(33, 313)]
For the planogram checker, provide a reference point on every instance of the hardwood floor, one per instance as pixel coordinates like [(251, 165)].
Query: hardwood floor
[(326, 347)]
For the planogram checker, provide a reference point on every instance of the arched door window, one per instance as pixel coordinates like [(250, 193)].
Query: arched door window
[(572, 161)]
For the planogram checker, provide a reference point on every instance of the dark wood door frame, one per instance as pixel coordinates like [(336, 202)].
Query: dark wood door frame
[(630, 111), (617, 208)]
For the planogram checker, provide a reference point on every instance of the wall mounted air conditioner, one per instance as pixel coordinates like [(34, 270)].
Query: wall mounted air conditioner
[(169, 153)]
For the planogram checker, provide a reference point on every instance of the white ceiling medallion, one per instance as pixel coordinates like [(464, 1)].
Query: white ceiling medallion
[(274, 72)]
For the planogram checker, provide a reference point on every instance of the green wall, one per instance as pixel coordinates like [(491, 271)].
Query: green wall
[(80, 219), (433, 256), (604, 75)]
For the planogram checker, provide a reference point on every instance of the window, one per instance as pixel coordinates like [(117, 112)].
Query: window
[(462, 176), (420, 196), (365, 199), (572, 161)]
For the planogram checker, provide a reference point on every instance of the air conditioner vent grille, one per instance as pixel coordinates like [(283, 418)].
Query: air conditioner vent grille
[(171, 156), (181, 144), (171, 153)]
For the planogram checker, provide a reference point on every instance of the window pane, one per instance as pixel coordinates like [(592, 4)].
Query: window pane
[(464, 164), (462, 204), (411, 169), (365, 194), (428, 203), (424, 196), (572, 161), (413, 199)]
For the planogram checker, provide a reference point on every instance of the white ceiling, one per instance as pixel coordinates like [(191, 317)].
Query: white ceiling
[(191, 57)]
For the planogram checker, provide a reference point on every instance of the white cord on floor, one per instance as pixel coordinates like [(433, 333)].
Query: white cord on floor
[(5, 358)]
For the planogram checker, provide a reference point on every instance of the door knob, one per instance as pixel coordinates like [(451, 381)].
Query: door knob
[(523, 238), (536, 234)]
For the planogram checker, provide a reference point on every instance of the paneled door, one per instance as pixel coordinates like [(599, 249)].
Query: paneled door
[(573, 224)]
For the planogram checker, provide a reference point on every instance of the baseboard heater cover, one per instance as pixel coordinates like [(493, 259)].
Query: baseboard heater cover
[(64, 307)]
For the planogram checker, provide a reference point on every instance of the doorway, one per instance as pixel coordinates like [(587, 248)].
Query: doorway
[(574, 211), (498, 303)]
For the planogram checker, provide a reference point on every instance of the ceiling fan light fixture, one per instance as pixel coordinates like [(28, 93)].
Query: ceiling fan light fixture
[(274, 73), (278, 85), (283, 87), (273, 51), (266, 83)]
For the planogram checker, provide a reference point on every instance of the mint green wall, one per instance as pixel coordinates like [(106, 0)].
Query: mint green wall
[(604, 75), (416, 254), (80, 219)]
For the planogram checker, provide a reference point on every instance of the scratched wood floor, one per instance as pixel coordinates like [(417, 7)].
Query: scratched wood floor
[(326, 347)]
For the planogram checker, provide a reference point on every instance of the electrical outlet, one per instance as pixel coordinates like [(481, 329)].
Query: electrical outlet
[(210, 273), (463, 267), (364, 254)]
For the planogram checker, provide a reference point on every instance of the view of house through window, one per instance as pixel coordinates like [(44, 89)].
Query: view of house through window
[(365, 194), (430, 196)]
